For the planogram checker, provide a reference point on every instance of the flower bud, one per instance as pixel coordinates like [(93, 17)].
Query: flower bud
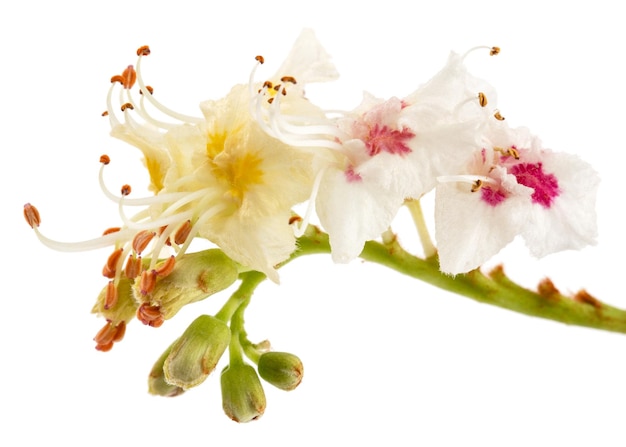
[(243, 398), (195, 277), (281, 369), (195, 354), (157, 385)]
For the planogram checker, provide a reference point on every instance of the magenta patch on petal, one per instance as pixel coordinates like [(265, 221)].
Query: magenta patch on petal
[(493, 197), (545, 185), (384, 139), (352, 176)]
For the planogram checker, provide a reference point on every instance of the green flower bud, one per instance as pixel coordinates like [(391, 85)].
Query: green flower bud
[(195, 354), (281, 369), (243, 398), (157, 385), (195, 277)]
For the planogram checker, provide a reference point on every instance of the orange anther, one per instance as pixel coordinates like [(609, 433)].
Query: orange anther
[(166, 267), (294, 219), (111, 230), (31, 214), (133, 267), (142, 239), (117, 78), (125, 190), (143, 50), (104, 348), (110, 298), (128, 106), (147, 282), (105, 159), (150, 90), (105, 113), (288, 79), (494, 51), (260, 59), (129, 76), (105, 335), (114, 258), (267, 84), (482, 99), (150, 315), (120, 331), (183, 231)]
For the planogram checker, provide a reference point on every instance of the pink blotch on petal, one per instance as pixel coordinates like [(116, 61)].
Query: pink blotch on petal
[(384, 139), (493, 197), (352, 176), (545, 186)]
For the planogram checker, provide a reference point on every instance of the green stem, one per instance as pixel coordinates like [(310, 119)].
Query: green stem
[(249, 281), (495, 289)]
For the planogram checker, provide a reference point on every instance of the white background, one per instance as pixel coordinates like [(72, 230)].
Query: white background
[(388, 361)]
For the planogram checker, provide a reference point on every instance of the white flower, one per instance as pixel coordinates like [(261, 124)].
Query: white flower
[(513, 187)]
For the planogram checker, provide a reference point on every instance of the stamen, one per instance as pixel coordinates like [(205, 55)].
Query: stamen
[(110, 267), (260, 59), (482, 99), (150, 90), (290, 79), (105, 335), (105, 113), (141, 240), (143, 50), (125, 190), (110, 298), (111, 230), (31, 214), (477, 185), (129, 76), (182, 233), (147, 282), (133, 267), (105, 159), (120, 331), (300, 229), (494, 51), (498, 116), (166, 267), (150, 315), (126, 106)]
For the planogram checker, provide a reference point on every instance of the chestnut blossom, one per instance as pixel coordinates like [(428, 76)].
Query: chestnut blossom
[(513, 186), (387, 151)]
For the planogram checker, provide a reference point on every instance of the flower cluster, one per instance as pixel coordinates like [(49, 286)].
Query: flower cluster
[(233, 175)]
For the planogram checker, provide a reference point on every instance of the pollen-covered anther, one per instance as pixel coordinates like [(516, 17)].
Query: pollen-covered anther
[(111, 230), (110, 298), (31, 214), (477, 185), (143, 50), (129, 76), (149, 88), (260, 59), (494, 51), (290, 79), (142, 239), (513, 152), (147, 281), (150, 315), (133, 267), (110, 267), (482, 99), (166, 267), (105, 159), (182, 233), (125, 190), (128, 106), (498, 116)]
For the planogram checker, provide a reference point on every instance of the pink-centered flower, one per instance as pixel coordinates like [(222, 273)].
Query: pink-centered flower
[(513, 186)]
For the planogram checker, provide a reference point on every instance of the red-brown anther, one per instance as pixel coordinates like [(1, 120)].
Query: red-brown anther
[(142, 239), (31, 214), (150, 315), (150, 90), (105, 159), (128, 106), (167, 241), (125, 190), (105, 113), (105, 335), (120, 331), (290, 79), (156, 323), (129, 76), (582, 296), (494, 51), (147, 282), (143, 50), (183, 231), (112, 261), (133, 267), (270, 100), (260, 59), (104, 348), (294, 219), (110, 298), (111, 230), (117, 78), (267, 84), (165, 268)]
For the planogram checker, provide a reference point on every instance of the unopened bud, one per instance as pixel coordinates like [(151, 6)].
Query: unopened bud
[(195, 277), (157, 384), (243, 398), (281, 369), (195, 354)]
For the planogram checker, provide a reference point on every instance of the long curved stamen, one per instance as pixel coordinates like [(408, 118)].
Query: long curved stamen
[(300, 229), (157, 104), (90, 244), (493, 51)]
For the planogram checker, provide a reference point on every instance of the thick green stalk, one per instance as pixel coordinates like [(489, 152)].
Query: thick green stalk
[(495, 288)]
